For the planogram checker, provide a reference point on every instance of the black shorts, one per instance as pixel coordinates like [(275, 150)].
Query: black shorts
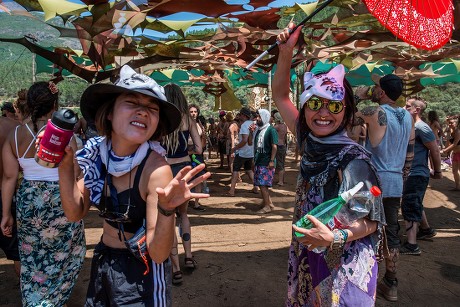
[(222, 146), (213, 141), (280, 157), (9, 245), (412, 200), (117, 279), (238, 162), (391, 206), (176, 167)]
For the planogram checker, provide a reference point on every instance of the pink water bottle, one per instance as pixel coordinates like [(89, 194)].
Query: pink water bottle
[(58, 132)]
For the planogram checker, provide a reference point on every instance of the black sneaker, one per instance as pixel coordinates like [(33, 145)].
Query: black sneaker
[(388, 289), (426, 233), (410, 249)]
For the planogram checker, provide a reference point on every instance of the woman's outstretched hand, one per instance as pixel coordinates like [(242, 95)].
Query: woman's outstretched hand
[(179, 191), (318, 236)]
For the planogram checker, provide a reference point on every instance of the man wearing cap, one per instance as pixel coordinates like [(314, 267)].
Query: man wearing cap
[(390, 139), (9, 245), (244, 153)]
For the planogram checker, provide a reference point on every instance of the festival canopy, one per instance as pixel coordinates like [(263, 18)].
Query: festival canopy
[(208, 43)]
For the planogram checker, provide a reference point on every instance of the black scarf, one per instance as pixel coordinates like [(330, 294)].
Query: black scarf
[(323, 157)]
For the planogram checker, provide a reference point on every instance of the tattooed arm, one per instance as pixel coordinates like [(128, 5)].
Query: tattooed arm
[(409, 153), (376, 121)]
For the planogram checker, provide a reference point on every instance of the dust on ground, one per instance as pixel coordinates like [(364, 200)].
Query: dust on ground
[(242, 256)]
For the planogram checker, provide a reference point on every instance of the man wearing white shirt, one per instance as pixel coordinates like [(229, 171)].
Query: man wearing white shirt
[(244, 153)]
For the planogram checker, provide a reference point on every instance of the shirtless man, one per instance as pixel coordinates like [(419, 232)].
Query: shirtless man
[(222, 129), (8, 244)]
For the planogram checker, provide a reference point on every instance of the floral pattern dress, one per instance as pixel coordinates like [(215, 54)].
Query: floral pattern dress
[(346, 277), (51, 248)]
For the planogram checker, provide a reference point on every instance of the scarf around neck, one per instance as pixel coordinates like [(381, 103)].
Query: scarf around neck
[(96, 159), (265, 117), (322, 157)]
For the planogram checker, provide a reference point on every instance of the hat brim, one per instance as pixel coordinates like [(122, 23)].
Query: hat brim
[(97, 95)]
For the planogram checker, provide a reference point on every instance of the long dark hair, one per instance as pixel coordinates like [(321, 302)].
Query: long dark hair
[(350, 109), (175, 95), (40, 101)]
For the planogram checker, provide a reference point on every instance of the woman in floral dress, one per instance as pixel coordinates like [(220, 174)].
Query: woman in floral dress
[(51, 248)]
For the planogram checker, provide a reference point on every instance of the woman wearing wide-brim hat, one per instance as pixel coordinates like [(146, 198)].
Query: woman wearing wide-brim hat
[(127, 178)]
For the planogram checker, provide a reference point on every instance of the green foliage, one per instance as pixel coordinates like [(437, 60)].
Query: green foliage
[(444, 99), (16, 73)]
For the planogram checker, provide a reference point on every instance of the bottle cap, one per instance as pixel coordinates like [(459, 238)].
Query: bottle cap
[(64, 119), (347, 195), (375, 191)]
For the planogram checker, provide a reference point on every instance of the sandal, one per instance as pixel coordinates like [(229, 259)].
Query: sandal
[(177, 278), (264, 210), (199, 208), (190, 263)]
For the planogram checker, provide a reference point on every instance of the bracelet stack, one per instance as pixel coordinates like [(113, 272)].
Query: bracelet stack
[(340, 238)]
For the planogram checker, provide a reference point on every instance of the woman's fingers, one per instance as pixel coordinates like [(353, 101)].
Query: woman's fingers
[(182, 174), (196, 181), (199, 195), (187, 173)]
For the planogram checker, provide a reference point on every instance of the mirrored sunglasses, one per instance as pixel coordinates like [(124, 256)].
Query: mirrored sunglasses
[(334, 106)]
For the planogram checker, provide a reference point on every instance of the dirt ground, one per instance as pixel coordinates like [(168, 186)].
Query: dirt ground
[(242, 256)]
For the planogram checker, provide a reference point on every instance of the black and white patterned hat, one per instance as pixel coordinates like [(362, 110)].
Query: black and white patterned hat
[(130, 81)]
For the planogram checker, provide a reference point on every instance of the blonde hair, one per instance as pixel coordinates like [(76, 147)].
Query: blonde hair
[(229, 116)]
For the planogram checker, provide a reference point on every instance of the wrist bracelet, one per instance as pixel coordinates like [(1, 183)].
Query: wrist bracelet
[(337, 241), (345, 236), (436, 172), (165, 212)]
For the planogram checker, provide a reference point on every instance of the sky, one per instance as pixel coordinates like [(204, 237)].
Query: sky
[(180, 16)]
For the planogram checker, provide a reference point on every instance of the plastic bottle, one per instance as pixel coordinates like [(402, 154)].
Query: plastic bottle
[(58, 132), (205, 187), (325, 211), (356, 208)]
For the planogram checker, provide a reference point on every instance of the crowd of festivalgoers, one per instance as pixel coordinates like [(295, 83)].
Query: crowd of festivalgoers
[(139, 156)]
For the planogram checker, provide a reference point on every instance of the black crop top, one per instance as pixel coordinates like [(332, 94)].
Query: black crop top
[(137, 211)]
